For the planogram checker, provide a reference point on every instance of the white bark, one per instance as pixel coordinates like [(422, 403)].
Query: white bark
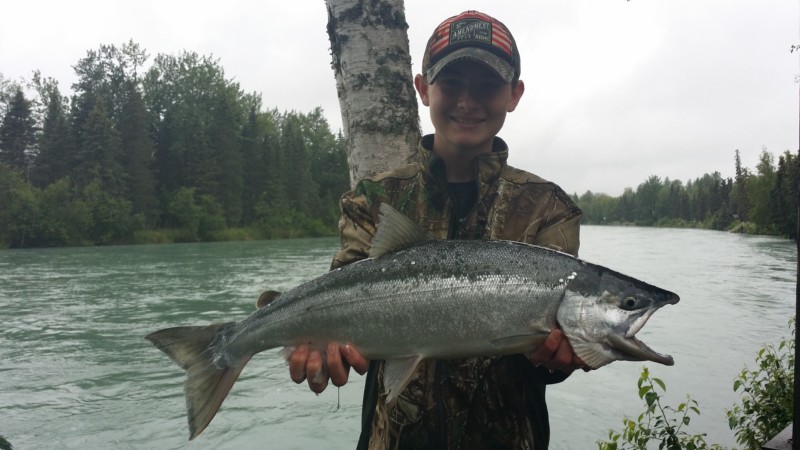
[(372, 65)]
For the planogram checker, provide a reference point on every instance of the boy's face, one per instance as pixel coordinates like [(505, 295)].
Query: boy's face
[(468, 105)]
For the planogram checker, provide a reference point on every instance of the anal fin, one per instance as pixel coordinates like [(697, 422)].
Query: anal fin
[(396, 374)]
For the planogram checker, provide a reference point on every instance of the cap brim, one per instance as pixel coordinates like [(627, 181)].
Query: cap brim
[(498, 65)]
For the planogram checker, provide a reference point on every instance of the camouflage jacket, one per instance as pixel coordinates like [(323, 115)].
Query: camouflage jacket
[(494, 402)]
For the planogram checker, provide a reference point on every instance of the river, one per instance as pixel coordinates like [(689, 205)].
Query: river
[(76, 371)]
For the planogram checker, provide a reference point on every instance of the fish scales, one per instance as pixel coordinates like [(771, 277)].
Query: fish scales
[(418, 298), (442, 291)]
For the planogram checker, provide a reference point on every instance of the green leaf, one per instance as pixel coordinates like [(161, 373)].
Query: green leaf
[(643, 390), (660, 383)]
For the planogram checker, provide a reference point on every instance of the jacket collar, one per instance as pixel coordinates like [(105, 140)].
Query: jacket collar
[(488, 165)]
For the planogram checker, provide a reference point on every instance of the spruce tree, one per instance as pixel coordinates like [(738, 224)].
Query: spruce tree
[(254, 165), (55, 144), (225, 138), (18, 133), (99, 156), (137, 154), (300, 189)]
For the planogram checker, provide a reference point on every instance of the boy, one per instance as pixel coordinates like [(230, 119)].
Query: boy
[(459, 188)]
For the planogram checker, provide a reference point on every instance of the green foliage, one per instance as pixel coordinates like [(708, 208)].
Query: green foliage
[(136, 153), (8, 88), (766, 407), (764, 202), (183, 213), (766, 394), (99, 157), (300, 188), (193, 217), (171, 152), (662, 424), (151, 237), (211, 217), (233, 234), (111, 220), (52, 162), (276, 219), (53, 216), (65, 217), (17, 132), (19, 209)]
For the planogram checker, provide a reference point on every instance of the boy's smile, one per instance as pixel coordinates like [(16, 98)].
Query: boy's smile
[(468, 105)]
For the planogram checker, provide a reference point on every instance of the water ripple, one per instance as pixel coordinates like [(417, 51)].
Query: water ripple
[(73, 353)]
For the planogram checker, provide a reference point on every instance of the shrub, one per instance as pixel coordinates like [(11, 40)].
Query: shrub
[(661, 423), (766, 407), (766, 394)]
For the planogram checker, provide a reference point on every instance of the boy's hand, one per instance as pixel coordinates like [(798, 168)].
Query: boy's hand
[(311, 365), (555, 353)]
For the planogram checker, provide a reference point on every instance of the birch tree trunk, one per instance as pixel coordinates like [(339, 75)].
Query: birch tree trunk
[(372, 65)]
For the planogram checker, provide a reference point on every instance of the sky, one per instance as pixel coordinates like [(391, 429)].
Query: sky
[(616, 91)]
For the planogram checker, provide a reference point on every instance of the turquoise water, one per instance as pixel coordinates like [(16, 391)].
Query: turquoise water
[(76, 372)]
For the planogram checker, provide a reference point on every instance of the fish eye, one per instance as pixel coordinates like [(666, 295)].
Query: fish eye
[(629, 303)]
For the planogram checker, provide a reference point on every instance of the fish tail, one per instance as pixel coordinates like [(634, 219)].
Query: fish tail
[(206, 385)]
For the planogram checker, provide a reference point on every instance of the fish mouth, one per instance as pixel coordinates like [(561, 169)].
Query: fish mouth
[(635, 350)]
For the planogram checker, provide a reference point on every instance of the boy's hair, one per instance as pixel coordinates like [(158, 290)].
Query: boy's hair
[(476, 36)]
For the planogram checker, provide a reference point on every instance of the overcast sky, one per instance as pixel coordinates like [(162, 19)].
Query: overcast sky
[(616, 91)]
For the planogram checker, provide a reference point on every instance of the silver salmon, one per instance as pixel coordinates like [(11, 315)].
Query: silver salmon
[(417, 298)]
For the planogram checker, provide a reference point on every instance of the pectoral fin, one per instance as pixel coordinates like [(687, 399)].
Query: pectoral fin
[(593, 354), (397, 373)]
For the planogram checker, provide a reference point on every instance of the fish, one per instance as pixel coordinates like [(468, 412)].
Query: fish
[(417, 298)]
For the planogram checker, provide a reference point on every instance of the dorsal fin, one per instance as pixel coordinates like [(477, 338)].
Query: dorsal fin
[(396, 232)]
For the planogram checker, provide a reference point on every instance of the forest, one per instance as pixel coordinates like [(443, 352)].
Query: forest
[(764, 201), (174, 153), (172, 150)]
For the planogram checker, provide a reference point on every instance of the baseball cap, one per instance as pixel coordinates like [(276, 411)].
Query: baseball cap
[(472, 35)]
